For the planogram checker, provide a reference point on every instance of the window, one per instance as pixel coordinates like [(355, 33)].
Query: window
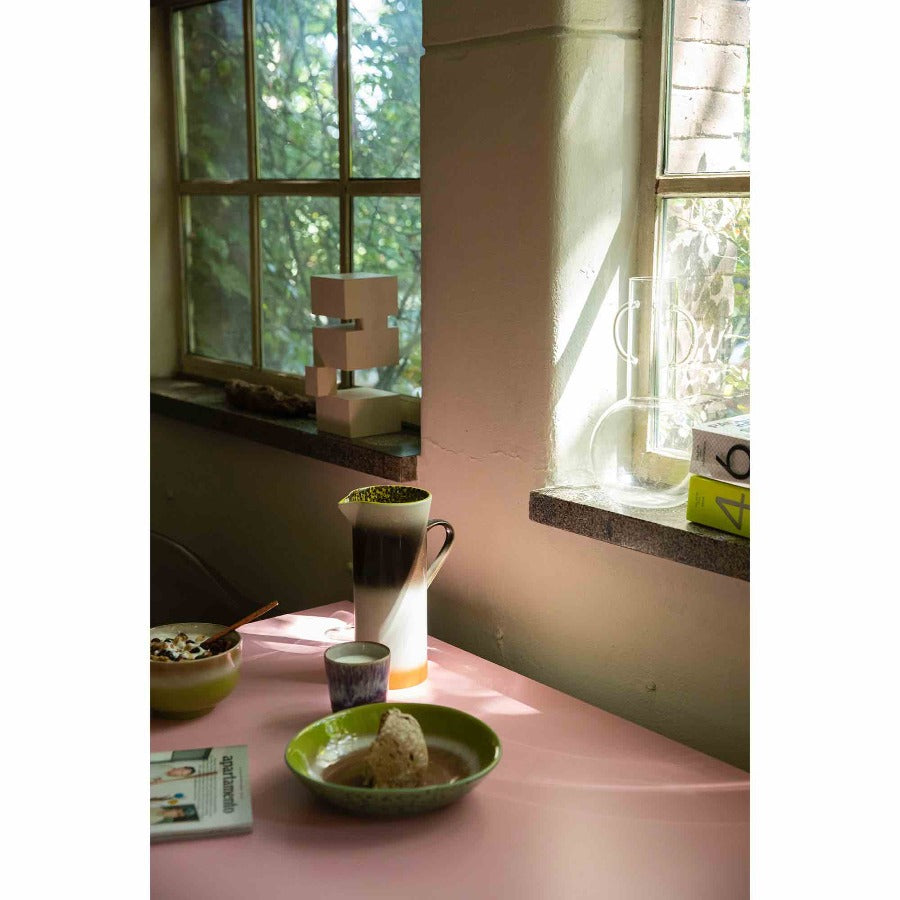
[(696, 206), (298, 154)]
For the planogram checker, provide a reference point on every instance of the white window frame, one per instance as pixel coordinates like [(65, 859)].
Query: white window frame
[(655, 186)]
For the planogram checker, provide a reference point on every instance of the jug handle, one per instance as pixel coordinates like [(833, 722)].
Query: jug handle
[(435, 567), (692, 328), (631, 304)]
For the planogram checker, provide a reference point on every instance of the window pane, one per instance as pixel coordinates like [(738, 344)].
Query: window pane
[(217, 277), (296, 88), (387, 240), (707, 246), (211, 100), (709, 95), (384, 60), (300, 237)]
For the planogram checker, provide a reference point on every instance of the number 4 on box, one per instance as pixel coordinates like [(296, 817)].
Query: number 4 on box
[(740, 505)]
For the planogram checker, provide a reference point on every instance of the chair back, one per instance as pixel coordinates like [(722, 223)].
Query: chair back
[(185, 588)]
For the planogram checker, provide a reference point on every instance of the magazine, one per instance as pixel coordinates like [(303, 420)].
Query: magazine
[(199, 793)]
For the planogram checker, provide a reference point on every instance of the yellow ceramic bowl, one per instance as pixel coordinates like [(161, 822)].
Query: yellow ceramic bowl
[(192, 687)]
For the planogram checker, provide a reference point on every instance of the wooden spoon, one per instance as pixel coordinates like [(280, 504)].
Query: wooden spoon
[(244, 621)]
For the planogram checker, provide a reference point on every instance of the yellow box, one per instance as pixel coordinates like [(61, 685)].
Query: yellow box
[(719, 505)]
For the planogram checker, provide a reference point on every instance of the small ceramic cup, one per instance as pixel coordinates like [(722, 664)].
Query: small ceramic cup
[(357, 673)]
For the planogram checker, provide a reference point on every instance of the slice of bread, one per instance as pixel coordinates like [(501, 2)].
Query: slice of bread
[(398, 757)]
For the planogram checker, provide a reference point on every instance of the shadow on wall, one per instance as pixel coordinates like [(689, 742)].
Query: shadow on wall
[(590, 311), (598, 193), (184, 588)]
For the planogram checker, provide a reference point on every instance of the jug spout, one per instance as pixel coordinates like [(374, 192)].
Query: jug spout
[(350, 508)]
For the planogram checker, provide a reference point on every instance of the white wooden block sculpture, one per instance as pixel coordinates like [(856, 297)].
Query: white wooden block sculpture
[(358, 412), (349, 347), (364, 343), (321, 381), (354, 295)]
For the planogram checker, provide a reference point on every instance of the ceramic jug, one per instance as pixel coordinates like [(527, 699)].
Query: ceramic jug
[(390, 579)]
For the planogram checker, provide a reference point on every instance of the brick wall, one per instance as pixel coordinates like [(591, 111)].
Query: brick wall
[(710, 62)]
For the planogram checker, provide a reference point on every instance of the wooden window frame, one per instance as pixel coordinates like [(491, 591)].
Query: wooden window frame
[(344, 187)]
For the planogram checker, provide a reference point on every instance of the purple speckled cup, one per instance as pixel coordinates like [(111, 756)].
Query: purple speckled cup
[(357, 673)]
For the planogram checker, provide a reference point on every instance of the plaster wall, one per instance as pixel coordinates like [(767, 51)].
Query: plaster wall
[(529, 163)]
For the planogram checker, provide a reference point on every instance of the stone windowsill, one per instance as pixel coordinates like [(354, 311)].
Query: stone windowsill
[(389, 456), (665, 533)]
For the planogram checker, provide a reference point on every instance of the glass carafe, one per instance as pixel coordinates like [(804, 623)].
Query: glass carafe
[(658, 333), (641, 446)]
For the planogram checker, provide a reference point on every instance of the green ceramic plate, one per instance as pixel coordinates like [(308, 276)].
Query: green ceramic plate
[(324, 742)]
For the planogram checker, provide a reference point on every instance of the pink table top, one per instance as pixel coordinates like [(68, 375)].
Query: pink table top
[(582, 804)]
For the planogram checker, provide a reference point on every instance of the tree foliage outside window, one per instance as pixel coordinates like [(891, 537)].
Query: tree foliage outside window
[(217, 256), (209, 43), (296, 112), (707, 248), (388, 239), (296, 88), (299, 235), (386, 43)]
